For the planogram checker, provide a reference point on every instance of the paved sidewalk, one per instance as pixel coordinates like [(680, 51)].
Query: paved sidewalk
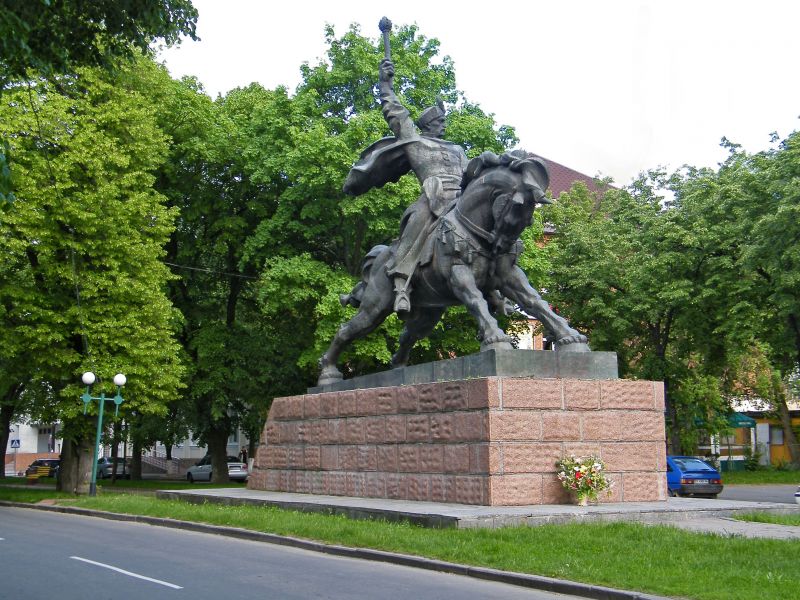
[(732, 527), (715, 513)]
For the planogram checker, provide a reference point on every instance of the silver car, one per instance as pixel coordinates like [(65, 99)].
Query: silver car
[(105, 467), (237, 470)]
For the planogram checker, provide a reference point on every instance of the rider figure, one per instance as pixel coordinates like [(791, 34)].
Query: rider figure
[(438, 164)]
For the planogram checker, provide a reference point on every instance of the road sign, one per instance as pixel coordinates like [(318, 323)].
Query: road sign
[(15, 443)]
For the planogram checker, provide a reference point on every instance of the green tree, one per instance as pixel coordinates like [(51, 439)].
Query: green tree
[(83, 282)]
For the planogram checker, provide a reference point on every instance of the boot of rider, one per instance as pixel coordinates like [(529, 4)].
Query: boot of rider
[(402, 298)]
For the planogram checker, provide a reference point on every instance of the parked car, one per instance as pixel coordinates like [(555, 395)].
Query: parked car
[(797, 495), (53, 464), (105, 466), (692, 476), (237, 470)]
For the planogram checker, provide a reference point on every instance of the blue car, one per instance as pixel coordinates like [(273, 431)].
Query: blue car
[(691, 476)]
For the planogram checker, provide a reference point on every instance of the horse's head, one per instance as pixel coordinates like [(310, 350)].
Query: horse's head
[(513, 183)]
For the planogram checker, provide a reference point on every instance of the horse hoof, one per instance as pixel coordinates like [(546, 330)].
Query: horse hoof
[(329, 376), (573, 343), (498, 345)]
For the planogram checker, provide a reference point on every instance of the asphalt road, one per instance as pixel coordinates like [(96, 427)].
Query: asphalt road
[(759, 493), (68, 557)]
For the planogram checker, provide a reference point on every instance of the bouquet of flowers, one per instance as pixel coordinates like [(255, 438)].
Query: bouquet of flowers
[(584, 476)]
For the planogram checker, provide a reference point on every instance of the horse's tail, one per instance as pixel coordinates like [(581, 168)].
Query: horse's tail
[(354, 297)]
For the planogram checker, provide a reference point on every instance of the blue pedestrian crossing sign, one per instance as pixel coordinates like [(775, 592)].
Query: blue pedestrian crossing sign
[(15, 443)]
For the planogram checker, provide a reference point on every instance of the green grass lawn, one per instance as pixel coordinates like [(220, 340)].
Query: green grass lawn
[(762, 517), (761, 477), (655, 559)]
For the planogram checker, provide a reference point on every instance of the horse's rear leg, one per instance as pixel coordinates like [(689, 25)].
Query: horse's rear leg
[(418, 324)]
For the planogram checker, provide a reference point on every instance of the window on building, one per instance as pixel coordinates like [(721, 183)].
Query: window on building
[(775, 435)]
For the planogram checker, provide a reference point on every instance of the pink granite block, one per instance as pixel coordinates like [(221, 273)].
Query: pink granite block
[(642, 487), (396, 428), (524, 392), (375, 430), (367, 400), (517, 425), (442, 427), (312, 457), (329, 458), (387, 458), (418, 488), (437, 488), (454, 395), (271, 433), (407, 398), (396, 486), (552, 490), (624, 394), (429, 397), (312, 408), (581, 395), (294, 407), (348, 458), (336, 483), (356, 484), (483, 393), (386, 401), (623, 426), (375, 485), (332, 431), (631, 456), (658, 392), (531, 458), (277, 409), (277, 457), (295, 457), (456, 458), (408, 458), (495, 458), (328, 405), (470, 490), (471, 426), (346, 405), (431, 458), (582, 449), (515, 490), (355, 430), (418, 428), (367, 458), (562, 426), (479, 458)]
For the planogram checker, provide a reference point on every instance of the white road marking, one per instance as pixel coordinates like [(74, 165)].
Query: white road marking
[(124, 572)]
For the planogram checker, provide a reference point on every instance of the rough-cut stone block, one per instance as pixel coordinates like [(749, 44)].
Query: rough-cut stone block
[(418, 488), (614, 494), (311, 406), (375, 485), (367, 458), (336, 483), (456, 458), (355, 430), (312, 457), (385, 401), (641, 487), (623, 426), (470, 426), (631, 456), (479, 458), (515, 490), (407, 399), (367, 400), (625, 394), (408, 458), (443, 427), (277, 409), (396, 486), (516, 425), (348, 458), (437, 488), (535, 458), (271, 433), (482, 393), (396, 428), (346, 405), (532, 393), (294, 407), (495, 458), (356, 484), (561, 426), (418, 428), (329, 458), (329, 405), (582, 449), (431, 458), (429, 398), (454, 396), (658, 391), (375, 430), (581, 395), (387, 457), (470, 490), (552, 490)]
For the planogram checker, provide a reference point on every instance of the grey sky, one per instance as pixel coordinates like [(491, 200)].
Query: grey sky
[(604, 87)]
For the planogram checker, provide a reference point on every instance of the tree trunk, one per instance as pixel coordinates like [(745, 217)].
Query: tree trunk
[(671, 417), (6, 414), (76, 466), (136, 460), (786, 421), (218, 449)]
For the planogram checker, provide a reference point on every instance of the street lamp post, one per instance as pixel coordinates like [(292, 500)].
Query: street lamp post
[(88, 379)]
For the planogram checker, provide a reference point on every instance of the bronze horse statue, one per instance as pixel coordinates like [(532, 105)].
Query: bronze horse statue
[(470, 259)]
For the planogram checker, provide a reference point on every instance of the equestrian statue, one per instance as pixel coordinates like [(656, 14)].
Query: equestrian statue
[(459, 242)]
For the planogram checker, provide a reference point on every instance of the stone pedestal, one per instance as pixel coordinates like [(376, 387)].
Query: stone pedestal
[(489, 441)]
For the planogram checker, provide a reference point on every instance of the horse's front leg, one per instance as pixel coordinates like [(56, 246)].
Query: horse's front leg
[(515, 285), (462, 282)]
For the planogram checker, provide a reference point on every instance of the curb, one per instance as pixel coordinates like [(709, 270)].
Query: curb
[(537, 582)]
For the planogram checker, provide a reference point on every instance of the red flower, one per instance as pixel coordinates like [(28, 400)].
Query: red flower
[(578, 475)]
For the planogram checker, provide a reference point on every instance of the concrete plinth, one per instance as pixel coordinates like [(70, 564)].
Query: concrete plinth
[(488, 441)]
